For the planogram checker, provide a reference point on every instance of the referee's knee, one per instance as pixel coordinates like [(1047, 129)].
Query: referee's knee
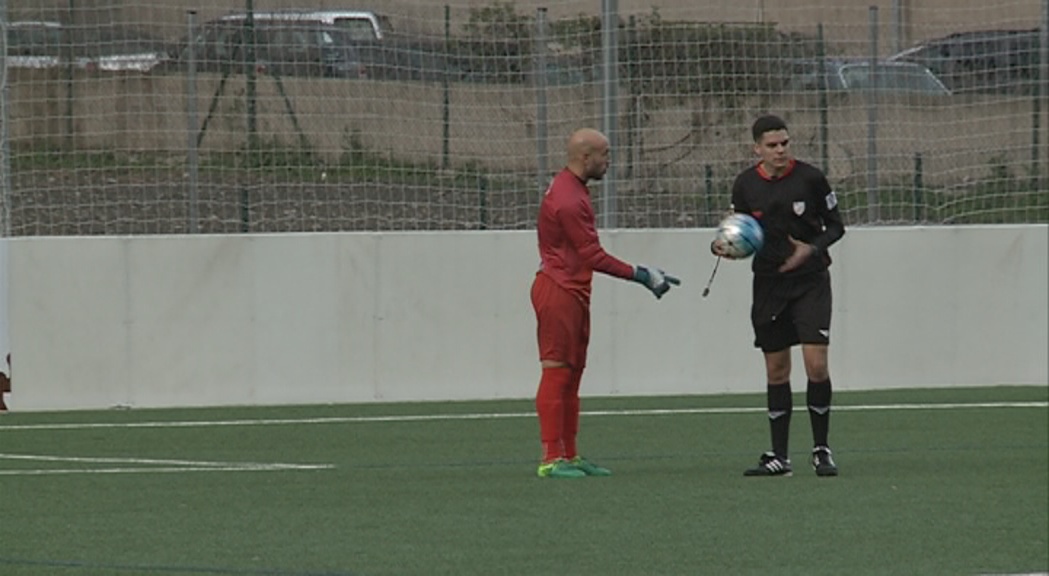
[(818, 373)]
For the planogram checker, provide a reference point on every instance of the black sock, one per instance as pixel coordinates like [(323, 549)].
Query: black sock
[(818, 398), (781, 404)]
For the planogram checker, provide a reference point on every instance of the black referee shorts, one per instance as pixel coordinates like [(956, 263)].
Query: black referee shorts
[(791, 310)]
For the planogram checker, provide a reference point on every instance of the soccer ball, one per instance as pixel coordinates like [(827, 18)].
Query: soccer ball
[(741, 235)]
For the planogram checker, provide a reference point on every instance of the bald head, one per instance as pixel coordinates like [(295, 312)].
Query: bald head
[(588, 154)]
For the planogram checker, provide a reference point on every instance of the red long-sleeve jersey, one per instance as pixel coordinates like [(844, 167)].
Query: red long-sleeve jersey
[(569, 249)]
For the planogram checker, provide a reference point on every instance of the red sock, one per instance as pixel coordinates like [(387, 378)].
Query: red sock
[(571, 422), (550, 406)]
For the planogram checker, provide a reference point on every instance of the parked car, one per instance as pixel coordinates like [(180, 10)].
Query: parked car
[(409, 59), (109, 47), (1002, 61), (853, 75), (286, 44), (361, 25), (34, 44), (385, 55)]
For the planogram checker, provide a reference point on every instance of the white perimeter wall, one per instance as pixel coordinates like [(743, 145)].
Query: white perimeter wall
[(216, 320)]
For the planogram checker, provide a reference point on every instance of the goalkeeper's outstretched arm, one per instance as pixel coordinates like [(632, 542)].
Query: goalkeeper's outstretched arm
[(583, 234)]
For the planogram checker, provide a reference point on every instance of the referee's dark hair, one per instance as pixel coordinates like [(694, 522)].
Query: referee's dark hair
[(767, 123)]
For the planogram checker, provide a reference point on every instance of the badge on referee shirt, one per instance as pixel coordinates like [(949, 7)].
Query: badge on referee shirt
[(832, 200), (799, 208)]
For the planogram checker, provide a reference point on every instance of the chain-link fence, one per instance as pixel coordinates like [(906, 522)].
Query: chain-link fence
[(147, 118)]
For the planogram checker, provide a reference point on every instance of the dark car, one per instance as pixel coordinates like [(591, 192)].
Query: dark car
[(401, 58), (285, 45), (109, 47), (999, 61), (853, 75), (34, 44), (386, 55)]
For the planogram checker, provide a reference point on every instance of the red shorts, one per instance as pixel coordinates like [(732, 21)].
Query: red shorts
[(563, 323)]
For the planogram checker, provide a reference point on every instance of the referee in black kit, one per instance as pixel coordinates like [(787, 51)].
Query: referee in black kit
[(792, 295)]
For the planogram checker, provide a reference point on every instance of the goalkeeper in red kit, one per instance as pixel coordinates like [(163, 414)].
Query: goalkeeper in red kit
[(570, 253)]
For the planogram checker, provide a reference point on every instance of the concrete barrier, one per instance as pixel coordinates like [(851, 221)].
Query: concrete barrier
[(316, 318)]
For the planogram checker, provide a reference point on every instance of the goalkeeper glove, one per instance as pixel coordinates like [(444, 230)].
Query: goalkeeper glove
[(655, 280)]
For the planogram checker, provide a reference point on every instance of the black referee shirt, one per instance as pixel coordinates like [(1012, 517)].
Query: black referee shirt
[(801, 204)]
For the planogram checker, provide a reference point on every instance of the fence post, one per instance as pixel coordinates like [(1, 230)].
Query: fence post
[(251, 97), (821, 89), (67, 54), (192, 159), (872, 121), (542, 169), (609, 105), (5, 209), (708, 199), (5, 143), (446, 112), (245, 211), (251, 82), (1041, 94), (897, 26), (482, 201), (919, 192)]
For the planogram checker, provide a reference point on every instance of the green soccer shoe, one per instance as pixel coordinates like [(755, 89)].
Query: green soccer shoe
[(588, 467), (560, 468)]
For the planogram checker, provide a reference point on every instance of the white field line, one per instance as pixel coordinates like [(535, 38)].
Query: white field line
[(147, 465), (495, 416), (150, 461), (174, 466), (164, 470)]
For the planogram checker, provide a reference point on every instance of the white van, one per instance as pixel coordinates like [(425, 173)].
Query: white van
[(360, 25)]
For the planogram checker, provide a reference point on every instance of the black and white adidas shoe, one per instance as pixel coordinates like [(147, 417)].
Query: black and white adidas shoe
[(770, 465), (822, 462)]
